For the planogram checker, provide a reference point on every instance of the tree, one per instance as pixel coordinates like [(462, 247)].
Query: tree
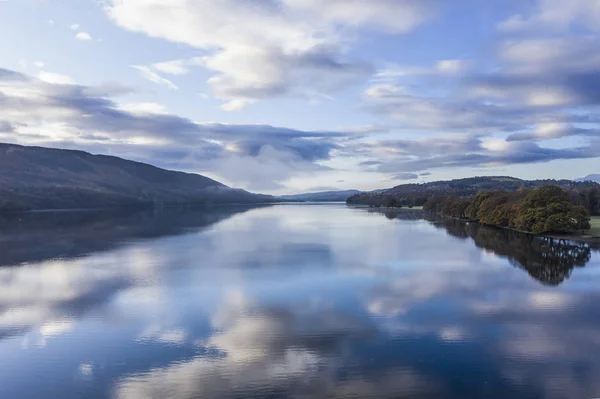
[(389, 202), (549, 209), (473, 210), (434, 204), (579, 219)]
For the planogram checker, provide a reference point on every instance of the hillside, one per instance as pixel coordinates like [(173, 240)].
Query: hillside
[(325, 196), (45, 178), (594, 177), (417, 194)]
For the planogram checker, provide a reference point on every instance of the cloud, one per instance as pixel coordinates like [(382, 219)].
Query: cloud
[(406, 176), (555, 15), (75, 27), (451, 66), (284, 48), (260, 349), (513, 153), (153, 77), (413, 156), (84, 36), (177, 67), (7, 75), (58, 112), (473, 115), (55, 78), (552, 131)]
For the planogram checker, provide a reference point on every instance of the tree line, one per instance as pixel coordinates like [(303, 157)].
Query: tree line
[(547, 209), (586, 194)]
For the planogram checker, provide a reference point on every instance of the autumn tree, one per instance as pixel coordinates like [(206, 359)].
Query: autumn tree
[(549, 209)]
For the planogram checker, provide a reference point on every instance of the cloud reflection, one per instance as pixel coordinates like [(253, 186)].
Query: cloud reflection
[(308, 301)]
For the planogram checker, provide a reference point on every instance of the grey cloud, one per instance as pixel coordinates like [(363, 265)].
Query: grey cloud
[(370, 163), (456, 113), (446, 145), (539, 90), (9, 75), (517, 153), (563, 132), (406, 176), (307, 150), (425, 174), (6, 127), (97, 123)]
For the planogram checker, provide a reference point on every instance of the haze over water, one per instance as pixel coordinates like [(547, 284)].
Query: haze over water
[(292, 301)]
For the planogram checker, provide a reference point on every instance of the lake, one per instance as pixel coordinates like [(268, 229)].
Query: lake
[(292, 301)]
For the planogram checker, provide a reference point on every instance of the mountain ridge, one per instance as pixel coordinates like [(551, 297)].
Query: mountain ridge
[(33, 178)]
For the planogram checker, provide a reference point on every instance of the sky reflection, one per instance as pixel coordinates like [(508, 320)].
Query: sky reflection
[(293, 301)]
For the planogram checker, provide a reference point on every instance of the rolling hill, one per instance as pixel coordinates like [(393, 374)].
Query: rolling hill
[(418, 193), (44, 178), (594, 178)]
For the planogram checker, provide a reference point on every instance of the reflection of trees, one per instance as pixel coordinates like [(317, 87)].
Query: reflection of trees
[(548, 260), (401, 213)]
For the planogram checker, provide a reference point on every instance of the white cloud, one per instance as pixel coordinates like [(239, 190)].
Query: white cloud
[(177, 67), (83, 36), (442, 68), (451, 66), (153, 77), (55, 78), (75, 27), (556, 15), (39, 64), (145, 108), (262, 49)]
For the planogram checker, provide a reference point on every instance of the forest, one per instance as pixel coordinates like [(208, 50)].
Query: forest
[(586, 194), (547, 209)]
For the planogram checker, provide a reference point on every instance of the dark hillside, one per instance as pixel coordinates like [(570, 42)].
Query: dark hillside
[(45, 178)]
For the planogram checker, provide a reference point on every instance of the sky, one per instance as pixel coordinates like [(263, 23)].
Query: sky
[(289, 96)]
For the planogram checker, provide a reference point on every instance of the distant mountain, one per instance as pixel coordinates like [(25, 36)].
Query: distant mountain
[(418, 193), (595, 178), (45, 178), (325, 196)]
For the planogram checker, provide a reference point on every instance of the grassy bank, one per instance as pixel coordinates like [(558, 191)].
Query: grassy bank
[(595, 230)]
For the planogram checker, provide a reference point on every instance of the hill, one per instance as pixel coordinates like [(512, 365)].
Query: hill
[(324, 196), (594, 178), (44, 178), (417, 194)]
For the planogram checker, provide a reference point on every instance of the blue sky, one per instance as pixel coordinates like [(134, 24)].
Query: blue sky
[(285, 96)]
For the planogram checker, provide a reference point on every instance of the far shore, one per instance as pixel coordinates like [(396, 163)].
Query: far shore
[(590, 237)]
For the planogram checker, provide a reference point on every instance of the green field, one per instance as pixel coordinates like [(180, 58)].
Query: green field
[(595, 231)]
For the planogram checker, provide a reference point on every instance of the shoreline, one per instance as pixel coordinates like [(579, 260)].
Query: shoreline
[(582, 238)]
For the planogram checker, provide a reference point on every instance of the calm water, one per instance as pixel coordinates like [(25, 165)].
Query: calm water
[(292, 301)]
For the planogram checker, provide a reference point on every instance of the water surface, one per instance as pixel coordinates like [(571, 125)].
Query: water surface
[(292, 301)]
